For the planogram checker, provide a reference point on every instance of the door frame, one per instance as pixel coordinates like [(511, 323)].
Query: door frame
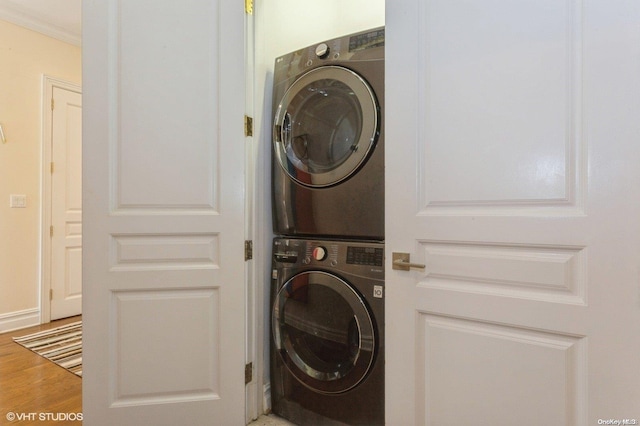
[(48, 84), (254, 344)]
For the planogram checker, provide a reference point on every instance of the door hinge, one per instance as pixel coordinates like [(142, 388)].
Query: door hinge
[(52, 167), (52, 104), (248, 7), (248, 126), (248, 250), (248, 373), (50, 294), (51, 231)]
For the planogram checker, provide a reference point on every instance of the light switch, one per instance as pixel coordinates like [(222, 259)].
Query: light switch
[(17, 201)]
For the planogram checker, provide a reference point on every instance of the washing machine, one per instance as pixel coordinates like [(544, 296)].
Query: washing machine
[(327, 332), (328, 139)]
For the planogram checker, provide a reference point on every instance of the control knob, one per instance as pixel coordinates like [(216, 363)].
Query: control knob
[(322, 50), (319, 253)]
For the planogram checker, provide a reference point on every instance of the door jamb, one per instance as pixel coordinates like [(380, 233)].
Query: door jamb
[(48, 84)]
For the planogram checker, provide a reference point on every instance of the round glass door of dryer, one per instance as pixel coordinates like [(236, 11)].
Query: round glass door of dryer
[(326, 126), (323, 332)]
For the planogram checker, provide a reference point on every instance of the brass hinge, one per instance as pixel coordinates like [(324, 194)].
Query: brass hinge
[(248, 250), (52, 104), (248, 373), (248, 126), (52, 167), (51, 231), (248, 7), (50, 294)]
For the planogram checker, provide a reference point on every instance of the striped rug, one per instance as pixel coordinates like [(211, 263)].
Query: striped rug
[(62, 345)]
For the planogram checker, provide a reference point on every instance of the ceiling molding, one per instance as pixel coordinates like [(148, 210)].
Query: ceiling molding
[(16, 16)]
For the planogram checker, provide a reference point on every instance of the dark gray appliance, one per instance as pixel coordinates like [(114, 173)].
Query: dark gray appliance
[(328, 139), (327, 348)]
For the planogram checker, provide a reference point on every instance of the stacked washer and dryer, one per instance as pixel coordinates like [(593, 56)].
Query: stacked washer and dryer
[(327, 346)]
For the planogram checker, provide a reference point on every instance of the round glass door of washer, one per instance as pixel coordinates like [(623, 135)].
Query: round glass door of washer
[(323, 332), (326, 126)]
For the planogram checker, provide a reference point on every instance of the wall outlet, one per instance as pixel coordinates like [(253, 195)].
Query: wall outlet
[(17, 201)]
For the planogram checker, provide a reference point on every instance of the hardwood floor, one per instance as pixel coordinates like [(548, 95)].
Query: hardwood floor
[(31, 384)]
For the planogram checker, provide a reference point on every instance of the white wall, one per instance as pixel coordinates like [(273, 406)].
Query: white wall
[(291, 24), (283, 26)]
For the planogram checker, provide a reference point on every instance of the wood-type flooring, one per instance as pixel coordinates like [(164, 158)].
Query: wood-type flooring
[(33, 388)]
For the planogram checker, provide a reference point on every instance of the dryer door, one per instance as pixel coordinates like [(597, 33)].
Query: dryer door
[(325, 126), (323, 332)]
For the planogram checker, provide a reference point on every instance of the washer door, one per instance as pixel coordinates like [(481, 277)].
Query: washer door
[(325, 126), (323, 332)]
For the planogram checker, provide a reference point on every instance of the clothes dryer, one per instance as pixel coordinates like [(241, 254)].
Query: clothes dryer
[(327, 346), (328, 139)]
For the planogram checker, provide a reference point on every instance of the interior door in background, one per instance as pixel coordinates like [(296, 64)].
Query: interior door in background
[(512, 158), (66, 204)]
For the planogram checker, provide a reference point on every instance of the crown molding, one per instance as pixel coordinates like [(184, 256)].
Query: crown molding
[(18, 17)]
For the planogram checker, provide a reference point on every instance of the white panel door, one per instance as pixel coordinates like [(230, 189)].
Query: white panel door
[(512, 151), (163, 193), (66, 204)]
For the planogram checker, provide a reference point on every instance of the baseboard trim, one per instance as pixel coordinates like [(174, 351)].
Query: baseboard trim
[(19, 319)]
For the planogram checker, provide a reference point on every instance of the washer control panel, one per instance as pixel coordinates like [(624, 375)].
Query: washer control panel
[(345, 255), (369, 256)]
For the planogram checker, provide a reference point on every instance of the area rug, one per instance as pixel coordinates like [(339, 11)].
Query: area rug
[(62, 345)]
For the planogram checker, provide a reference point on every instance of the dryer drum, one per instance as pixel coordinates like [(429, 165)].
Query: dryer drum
[(325, 126), (323, 332)]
